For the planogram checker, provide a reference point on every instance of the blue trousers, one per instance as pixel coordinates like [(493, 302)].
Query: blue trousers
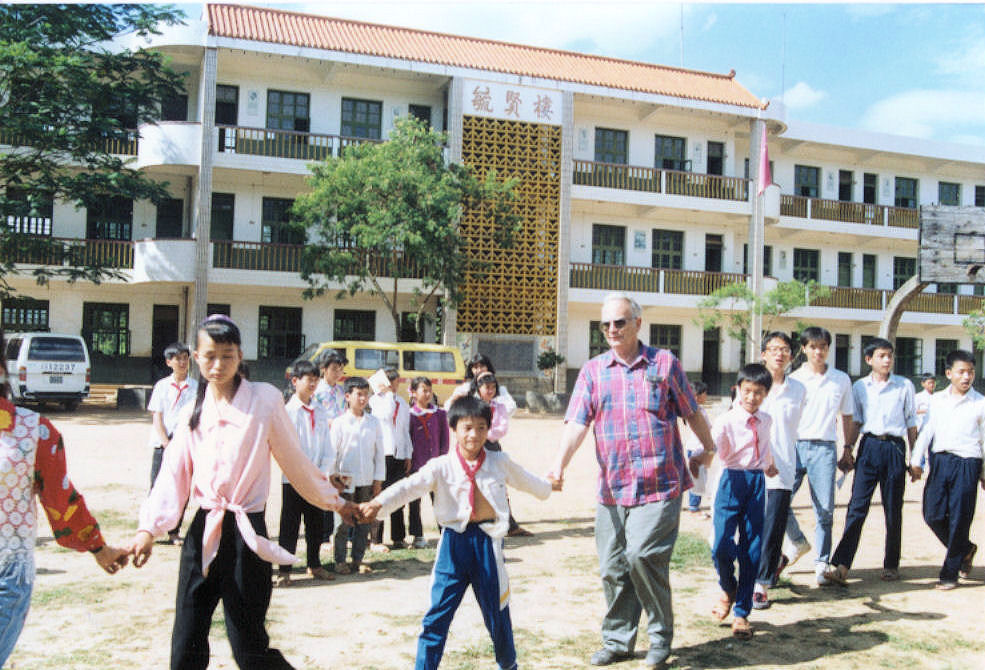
[(949, 506), (465, 559), (881, 462), (16, 583), (739, 504)]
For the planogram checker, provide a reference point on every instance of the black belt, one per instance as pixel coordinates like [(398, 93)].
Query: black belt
[(885, 438)]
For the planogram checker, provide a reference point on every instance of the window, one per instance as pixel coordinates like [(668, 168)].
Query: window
[(806, 181), (844, 268), (806, 265), (276, 222), (374, 359), (941, 349), (24, 314), (908, 358), (903, 269), (610, 145), (716, 158), (408, 327), (843, 344), (422, 113), (980, 196), (597, 344), (745, 169), (949, 193), (218, 308), (354, 324), (868, 271), (948, 288), (906, 192), (670, 152), (226, 114), (223, 205), (978, 289), (870, 188), (175, 109), (608, 244), (864, 367), (668, 249), (288, 111), (110, 219), (279, 332), (767, 260), (845, 183), (361, 118), (106, 328), (666, 337), (169, 218), (714, 252), (428, 361), (28, 213)]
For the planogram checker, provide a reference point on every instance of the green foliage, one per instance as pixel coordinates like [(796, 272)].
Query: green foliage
[(381, 209), (730, 306), (974, 325), (549, 360), (66, 96)]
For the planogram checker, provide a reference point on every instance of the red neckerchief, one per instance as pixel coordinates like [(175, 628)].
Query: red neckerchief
[(396, 409), (180, 389), (470, 473), (423, 418), (311, 414)]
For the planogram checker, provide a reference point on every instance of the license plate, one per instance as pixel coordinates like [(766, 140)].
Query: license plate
[(55, 379)]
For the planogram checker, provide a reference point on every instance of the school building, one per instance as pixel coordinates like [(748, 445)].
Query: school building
[(633, 176)]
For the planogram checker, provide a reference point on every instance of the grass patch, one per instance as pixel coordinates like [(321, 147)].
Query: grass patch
[(690, 551), (80, 593)]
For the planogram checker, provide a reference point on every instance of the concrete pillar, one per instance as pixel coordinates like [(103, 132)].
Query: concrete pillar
[(203, 219), (564, 233), (757, 129), (456, 89)]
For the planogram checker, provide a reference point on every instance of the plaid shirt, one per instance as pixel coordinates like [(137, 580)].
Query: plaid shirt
[(635, 410)]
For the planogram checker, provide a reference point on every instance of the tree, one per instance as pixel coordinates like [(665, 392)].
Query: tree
[(67, 96), (392, 208), (729, 306), (974, 325)]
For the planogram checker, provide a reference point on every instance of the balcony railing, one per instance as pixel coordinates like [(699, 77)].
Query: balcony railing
[(852, 298), (649, 280), (849, 212), (270, 257), (121, 147), (283, 143), (653, 180), (62, 251)]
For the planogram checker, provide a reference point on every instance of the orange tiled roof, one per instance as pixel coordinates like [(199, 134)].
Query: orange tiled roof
[(319, 32)]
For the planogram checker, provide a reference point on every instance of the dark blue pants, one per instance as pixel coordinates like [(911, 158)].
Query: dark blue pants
[(739, 504), (774, 527), (949, 506), (465, 559), (881, 462)]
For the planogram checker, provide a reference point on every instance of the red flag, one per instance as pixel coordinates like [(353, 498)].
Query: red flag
[(765, 176)]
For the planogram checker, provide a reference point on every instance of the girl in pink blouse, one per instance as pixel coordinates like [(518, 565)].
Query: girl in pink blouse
[(219, 457)]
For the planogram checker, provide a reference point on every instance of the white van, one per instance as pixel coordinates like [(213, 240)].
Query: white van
[(48, 367)]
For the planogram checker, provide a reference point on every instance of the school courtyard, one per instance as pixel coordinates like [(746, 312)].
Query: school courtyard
[(82, 618)]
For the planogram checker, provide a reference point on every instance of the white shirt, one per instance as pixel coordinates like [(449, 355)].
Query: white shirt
[(316, 443), (884, 408), (358, 442), (922, 402), (394, 415), (956, 424), (169, 397), (445, 477), (828, 395), (785, 404)]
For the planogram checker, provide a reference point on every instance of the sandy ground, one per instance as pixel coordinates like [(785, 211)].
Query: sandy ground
[(83, 618)]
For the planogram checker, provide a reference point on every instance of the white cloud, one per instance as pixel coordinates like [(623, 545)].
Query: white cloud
[(709, 22), (802, 96), (930, 114), (966, 59)]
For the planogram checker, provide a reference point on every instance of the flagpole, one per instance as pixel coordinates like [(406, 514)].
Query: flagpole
[(757, 235)]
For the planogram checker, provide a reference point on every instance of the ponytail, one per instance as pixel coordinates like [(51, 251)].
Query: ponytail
[(199, 401)]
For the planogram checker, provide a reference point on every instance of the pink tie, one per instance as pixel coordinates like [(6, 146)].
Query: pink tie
[(752, 423)]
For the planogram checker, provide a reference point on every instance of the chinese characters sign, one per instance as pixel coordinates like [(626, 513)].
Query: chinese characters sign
[(505, 101)]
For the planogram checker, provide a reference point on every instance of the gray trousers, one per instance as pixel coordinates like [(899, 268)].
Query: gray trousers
[(634, 546)]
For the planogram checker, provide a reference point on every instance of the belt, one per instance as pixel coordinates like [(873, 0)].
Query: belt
[(885, 437)]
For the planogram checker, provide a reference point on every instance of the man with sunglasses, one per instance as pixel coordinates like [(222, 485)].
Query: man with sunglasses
[(633, 394)]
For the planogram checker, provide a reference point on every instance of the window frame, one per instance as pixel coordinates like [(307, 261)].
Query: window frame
[(842, 256), (288, 115), (813, 267), (607, 148), (24, 314), (906, 192), (275, 217), (279, 332), (802, 185), (604, 252), (952, 199), (353, 126), (905, 362), (667, 244), (103, 340), (368, 327), (667, 336), (900, 275), (110, 219), (670, 153)]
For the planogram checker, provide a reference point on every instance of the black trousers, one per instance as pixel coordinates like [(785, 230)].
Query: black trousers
[(774, 527), (949, 500), (881, 462), (238, 577), (395, 471), (292, 509)]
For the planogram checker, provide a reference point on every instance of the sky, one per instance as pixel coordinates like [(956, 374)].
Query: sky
[(906, 69)]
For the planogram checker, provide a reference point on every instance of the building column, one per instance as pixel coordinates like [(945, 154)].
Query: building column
[(564, 234), (757, 235), (449, 335), (203, 218)]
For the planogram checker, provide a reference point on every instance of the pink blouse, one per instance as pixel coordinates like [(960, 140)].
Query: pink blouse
[(224, 465), (736, 441), (500, 421)]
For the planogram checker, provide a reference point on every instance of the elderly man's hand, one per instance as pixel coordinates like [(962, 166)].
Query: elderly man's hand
[(694, 465)]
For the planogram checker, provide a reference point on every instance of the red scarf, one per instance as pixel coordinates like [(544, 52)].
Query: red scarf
[(470, 473), (311, 415)]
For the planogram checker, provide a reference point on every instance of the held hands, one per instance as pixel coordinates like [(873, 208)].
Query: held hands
[(337, 482), (695, 462), (112, 559), (847, 462), (368, 510), (141, 548), (349, 513), (916, 472), (557, 480), (771, 471)]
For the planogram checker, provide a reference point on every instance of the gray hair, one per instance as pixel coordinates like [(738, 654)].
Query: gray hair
[(634, 307)]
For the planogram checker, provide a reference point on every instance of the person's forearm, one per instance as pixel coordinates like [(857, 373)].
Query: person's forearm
[(699, 426), (911, 436), (572, 437), (162, 434), (850, 428)]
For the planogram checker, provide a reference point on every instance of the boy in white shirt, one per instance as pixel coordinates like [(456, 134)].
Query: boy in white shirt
[(393, 413), (955, 431), (169, 397), (469, 486), (922, 402), (311, 423), (358, 440)]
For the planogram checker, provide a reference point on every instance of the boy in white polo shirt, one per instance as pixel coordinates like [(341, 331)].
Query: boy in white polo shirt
[(829, 395), (785, 403), (955, 431)]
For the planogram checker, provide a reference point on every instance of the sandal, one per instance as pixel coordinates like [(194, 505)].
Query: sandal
[(966, 562), (890, 575), (724, 605), (741, 630), (342, 569), (837, 574)]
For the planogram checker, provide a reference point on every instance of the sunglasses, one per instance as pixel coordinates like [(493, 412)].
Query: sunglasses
[(618, 323)]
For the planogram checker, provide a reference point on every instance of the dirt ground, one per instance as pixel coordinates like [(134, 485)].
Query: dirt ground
[(83, 618)]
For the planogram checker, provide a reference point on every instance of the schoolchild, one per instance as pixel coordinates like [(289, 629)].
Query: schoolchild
[(429, 439), (691, 443), (393, 413), (784, 403), (169, 397), (32, 458), (742, 442), (220, 459), (955, 431), (358, 440), (469, 485), (922, 402), (886, 417), (310, 421), (480, 363), (331, 396)]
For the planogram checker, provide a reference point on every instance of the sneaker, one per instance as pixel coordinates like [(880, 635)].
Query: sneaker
[(342, 569), (399, 545), (946, 585), (761, 601), (801, 548), (365, 569), (283, 580), (821, 573), (420, 543), (379, 548), (837, 574)]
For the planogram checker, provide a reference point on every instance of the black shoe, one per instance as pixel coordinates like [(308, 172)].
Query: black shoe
[(657, 656), (606, 656)]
